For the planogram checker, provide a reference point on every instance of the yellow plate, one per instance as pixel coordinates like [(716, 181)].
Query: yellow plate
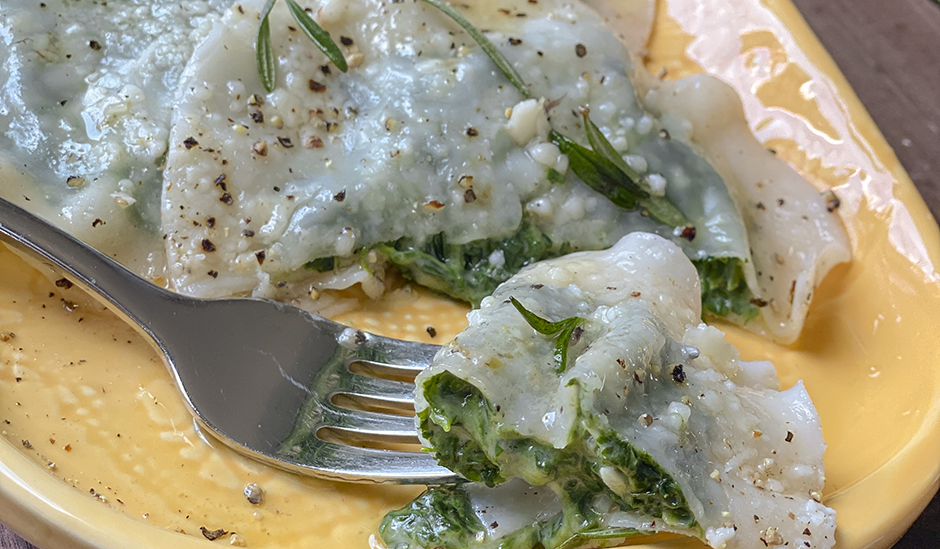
[(100, 452)]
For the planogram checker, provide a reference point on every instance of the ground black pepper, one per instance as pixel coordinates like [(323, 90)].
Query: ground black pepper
[(678, 374)]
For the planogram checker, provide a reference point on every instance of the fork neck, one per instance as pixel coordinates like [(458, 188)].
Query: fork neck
[(115, 286)]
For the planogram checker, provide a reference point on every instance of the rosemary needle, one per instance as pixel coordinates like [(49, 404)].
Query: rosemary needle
[(489, 49), (264, 52), (319, 36)]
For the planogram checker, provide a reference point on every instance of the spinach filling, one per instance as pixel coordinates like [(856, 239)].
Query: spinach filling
[(724, 289), (443, 518), (468, 272), (455, 424), (440, 517), (463, 428)]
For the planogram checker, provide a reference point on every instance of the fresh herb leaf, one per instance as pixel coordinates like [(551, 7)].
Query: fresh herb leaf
[(659, 207), (573, 325), (488, 48), (562, 331), (264, 53), (602, 146), (599, 173), (539, 324), (662, 210), (319, 36)]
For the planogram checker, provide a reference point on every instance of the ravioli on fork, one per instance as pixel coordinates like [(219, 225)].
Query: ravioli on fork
[(588, 402)]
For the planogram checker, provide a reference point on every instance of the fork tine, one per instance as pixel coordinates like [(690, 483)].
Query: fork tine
[(354, 464), (396, 394), (366, 425), (407, 356)]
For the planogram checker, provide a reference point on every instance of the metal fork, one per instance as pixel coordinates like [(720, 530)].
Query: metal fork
[(262, 377)]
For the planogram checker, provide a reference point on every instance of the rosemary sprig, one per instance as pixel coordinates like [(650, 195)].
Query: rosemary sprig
[(602, 168), (319, 36), (264, 53), (488, 48), (659, 207), (563, 331), (599, 173)]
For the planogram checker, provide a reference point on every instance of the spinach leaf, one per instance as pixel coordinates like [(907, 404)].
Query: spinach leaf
[(653, 491), (321, 264), (456, 424), (466, 272), (443, 518)]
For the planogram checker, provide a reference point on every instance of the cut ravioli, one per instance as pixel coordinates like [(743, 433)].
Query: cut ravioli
[(652, 423), (411, 145), (795, 238), (423, 157)]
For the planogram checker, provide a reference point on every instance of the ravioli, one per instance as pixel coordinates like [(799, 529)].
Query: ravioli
[(85, 108), (331, 178), (412, 143), (652, 422)]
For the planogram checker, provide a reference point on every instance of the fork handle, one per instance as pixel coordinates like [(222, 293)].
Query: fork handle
[(114, 285)]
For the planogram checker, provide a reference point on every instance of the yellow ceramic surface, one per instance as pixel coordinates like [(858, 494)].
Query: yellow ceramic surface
[(99, 451)]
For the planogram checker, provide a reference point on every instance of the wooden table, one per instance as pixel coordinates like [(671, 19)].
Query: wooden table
[(890, 52)]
